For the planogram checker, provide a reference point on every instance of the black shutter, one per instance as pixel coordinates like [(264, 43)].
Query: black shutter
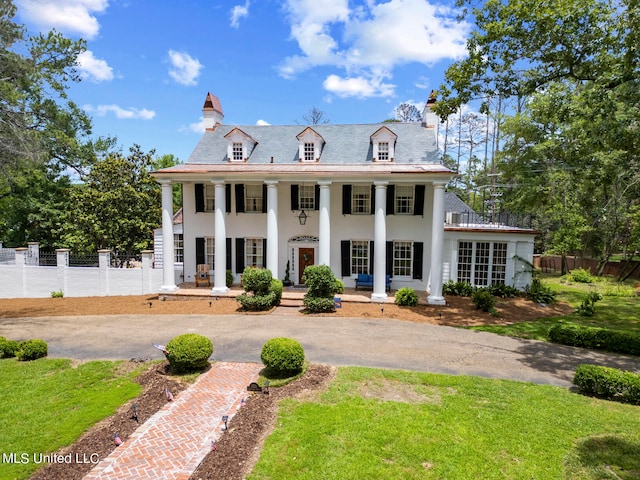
[(199, 197), (264, 253), (317, 197), (239, 255), (389, 268), (294, 197), (228, 244), (418, 207), (346, 199), (373, 199), (371, 251), (200, 251), (264, 198), (418, 248), (239, 198), (345, 257), (227, 197), (391, 200)]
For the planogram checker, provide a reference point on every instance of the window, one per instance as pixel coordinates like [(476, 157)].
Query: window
[(253, 198), (361, 199), (402, 258), (209, 198), (383, 151), (403, 202), (309, 152), (238, 155), (306, 197), (209, 251), (482, 263), (178, 247), (253, 252), (359, 256)]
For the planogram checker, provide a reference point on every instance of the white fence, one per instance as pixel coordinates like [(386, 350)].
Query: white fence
[(25, 280)]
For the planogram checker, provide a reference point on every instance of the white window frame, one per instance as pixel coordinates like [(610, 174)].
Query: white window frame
[(383, 151), (403, 258), (210, 252), (404, 199), (309, 152), (307, 197), (237, 150), (361, 200), (253, 198), (178, 248), (253, 252), (209, 198), (482, 263), (360, 256)]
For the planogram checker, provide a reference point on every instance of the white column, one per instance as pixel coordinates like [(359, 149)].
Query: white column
[(21, 264), (272, 227), (380, 243), (168, 269), (62, 262), (324, 226), (220, 233), (437, 244)]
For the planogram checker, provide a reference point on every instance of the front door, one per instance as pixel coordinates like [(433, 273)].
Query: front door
[(305, 258)]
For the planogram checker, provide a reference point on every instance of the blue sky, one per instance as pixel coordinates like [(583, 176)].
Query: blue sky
[(150, 63)]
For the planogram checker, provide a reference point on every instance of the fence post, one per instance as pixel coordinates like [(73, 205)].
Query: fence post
[(34, 254), (21, 264), (104, 261), (62, 262), (147, 261)]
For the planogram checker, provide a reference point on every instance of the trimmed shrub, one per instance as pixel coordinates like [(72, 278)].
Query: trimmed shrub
[(539, 293), (318, 304), (189, 352), (262, 290), (283, 355), (596, 338), (8, 348), (406, 297), (339, 287), (256, 280), (483, 300), (228, 279), (276, 288), (460, 289), (580, 275), (257, 303), (32, 349), (608, 383)]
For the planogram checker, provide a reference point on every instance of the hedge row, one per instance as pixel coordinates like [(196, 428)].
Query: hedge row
[(596, 338), (608, 383), (25, 350)]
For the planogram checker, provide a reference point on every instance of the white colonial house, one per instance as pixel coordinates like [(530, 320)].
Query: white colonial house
[(362, 199)]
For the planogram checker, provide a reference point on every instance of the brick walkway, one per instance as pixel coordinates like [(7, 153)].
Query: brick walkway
[(173, 442)]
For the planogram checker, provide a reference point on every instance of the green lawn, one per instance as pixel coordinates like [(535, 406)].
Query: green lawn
[(48, 403), (406, 425), (619, 309)]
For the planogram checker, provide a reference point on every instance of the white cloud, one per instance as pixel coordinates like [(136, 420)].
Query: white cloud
[(262, 123), (238, 12), (197, 127), (93, 68), (370, 40), (360, 87), (184, 69), (120, 113), (68, 16)]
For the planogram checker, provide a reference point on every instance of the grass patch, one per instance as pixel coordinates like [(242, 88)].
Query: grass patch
[(447, 427), (618, 309), (49, 403)]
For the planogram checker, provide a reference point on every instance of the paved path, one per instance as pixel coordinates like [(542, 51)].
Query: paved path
[(371, 342), (173, 442)]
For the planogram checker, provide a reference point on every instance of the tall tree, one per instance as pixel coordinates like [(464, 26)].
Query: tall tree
[(405, 112), (165, 161), (118, 206), (315, 116)]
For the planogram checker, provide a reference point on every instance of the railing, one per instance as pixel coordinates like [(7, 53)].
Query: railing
[(469, 219)]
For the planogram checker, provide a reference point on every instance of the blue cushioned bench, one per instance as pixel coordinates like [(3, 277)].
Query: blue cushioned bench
[(365, 280)]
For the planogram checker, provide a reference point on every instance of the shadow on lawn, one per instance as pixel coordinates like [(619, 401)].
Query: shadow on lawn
[(607, 456), (561, 360)]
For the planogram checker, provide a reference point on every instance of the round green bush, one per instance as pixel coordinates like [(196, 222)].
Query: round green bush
[(8, 348), (406, 297), (189, 352), (283, 355), (256, 280), (32, 349), (483, 300), (318, 304)]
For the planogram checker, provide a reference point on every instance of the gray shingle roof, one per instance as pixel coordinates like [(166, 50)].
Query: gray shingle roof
[(344, 144)]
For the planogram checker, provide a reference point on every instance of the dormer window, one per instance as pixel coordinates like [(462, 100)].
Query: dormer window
[(384, 141), (240, 145), (310, 146)]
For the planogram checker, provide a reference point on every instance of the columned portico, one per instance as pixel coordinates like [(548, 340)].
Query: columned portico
[(168, 269), (437, 244), (272, 227), (380, 243), (220, 232), (324, 227)]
